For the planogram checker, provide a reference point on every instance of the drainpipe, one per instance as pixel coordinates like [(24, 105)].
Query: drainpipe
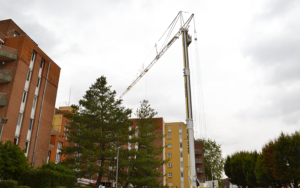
[(37, 132)]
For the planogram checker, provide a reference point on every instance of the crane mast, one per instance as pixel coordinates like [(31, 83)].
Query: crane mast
[(186, 40)]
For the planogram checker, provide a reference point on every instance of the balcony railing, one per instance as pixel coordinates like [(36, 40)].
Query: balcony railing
[(5, 75), (199, 161), (3, 100), (7, 53), (198, 152), (200, 170)]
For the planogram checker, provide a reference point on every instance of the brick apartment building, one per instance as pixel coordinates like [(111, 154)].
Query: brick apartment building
[(28, 87), (199, 157)]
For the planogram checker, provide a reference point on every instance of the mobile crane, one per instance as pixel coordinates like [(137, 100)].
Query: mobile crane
[(186, 40)]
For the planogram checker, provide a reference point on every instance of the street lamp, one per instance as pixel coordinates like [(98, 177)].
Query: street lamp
[(117, 165), (3, 121)]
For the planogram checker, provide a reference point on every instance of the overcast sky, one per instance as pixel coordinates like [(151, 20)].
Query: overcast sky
[(249, 53)]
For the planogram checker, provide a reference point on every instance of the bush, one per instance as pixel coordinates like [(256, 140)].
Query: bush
[(22, 187), (50, 175), (60, 187), (13, 162), (8, 183)]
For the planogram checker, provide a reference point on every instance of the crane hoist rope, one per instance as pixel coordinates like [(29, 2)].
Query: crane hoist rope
[(186, 40)]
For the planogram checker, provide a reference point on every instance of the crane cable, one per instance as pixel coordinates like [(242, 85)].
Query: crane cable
[(200, 105)]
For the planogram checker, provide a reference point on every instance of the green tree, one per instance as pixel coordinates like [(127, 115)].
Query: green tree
[(250, 159), (286, 155), (261, 173), (213, 160), (13, 163), (138, 167), (99, 125)]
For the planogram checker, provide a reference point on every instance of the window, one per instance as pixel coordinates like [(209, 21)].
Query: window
[(169, 164), (169, 128), (170, 175), (16, 34), (34, 101), (129, 145), (99, 163), (15, 141), (170, 155), (180, 127), (181, 173), (169, 136), (180, 144), (58, 154), (24, 96), (181, 164), (26, 147), (20, 119), (42, 63), (32, 56), (28, 75), (181, 154), (180, 136), (30, 124), (169, 145), (38, 82)]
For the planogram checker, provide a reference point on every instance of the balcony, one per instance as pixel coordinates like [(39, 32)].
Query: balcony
[(199, 161), (198, 152), (5, 75), (202, 180), (3, 100), (7, 53), (200, 170)]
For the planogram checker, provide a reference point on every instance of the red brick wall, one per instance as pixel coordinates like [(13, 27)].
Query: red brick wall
[(14, 90)]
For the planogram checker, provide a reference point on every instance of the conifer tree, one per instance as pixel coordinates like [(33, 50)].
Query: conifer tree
[(138, 167), (99, 125)]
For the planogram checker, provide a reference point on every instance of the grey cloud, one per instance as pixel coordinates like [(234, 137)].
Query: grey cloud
[(283, 104), (277, 8)]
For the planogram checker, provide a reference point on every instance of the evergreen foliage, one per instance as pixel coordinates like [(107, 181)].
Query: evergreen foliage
[(99, 125), (139, 167), (13, 162)]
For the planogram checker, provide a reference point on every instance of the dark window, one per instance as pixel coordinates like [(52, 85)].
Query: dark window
[(24, 96), (16, 34), (26, 147), (28, 75), (15, 141), (32, 56), (42, 63), (30, 124), (180, 145)]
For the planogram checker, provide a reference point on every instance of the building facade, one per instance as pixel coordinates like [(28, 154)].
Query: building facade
[(59, 134), (28, 87), (199, 157), (177, 152)]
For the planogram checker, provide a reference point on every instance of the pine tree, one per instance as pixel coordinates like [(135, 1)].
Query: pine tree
[(99, 125), (138, 167)]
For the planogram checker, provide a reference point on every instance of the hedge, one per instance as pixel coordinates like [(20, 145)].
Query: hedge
[(8, 183), (50, 175)]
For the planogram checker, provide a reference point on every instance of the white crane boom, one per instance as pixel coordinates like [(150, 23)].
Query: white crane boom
[(162, 51)]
